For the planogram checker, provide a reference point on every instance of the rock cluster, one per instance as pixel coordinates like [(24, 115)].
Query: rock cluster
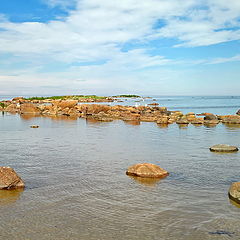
[(101, 112)]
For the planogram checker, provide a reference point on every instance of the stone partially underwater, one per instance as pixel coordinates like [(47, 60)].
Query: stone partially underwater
[(9, 179), (234, 192), (223, 148), (146, 170)]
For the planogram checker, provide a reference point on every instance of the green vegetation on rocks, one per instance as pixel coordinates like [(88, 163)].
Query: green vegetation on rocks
[(3, 105), (127, 96), (74, 97)]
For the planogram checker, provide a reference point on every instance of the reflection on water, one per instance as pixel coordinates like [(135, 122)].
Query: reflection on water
[(132, 122), (210, 125), (28, 116), (9, 196), (234, 203), (232, 126), (151, 182), (162, 125)]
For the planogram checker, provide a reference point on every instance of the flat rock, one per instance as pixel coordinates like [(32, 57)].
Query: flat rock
[(34, 126), (234, 192), (9, 179), (223, 148), (146, 170)]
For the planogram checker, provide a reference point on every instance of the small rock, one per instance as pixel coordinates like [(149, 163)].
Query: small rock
[(234, 192), (223, 148), (34, 126), (182, 121), (210, 117), (9, 179), (146, 170), (238, 112)]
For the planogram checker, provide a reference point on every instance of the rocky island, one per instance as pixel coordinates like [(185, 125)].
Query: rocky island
[(78, 106)]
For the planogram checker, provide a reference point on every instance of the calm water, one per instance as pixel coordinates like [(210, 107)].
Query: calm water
[(76, 187)]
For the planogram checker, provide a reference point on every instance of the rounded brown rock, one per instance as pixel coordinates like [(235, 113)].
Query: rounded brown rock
[(9, 179), (223, 148), (234, 192), (147, 170)]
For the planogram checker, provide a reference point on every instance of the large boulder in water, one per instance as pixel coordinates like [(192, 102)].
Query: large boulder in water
[(234, 192), (238, 112), (9, 179), (223, 148), (147, 170)]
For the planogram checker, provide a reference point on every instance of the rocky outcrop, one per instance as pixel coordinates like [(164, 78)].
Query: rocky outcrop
[(9, 179), (26, 108), (223, 148), (71, 108), (232, 119), (64, 103), (234, 192), (12, 108), (146, 170)]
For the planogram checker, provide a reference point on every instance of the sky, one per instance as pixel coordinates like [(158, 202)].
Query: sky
[(106, 47)]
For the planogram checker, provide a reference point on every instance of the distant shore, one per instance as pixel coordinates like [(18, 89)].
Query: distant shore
[(69, 106)]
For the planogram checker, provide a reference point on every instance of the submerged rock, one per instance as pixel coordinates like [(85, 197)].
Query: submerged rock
[(9, 179), (234, 192), (146, 170), (223, 148)]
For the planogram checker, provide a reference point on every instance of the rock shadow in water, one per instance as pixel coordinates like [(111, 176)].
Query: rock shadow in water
[(150, 182)]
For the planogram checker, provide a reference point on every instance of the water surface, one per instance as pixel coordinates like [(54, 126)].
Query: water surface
[(76, 187)]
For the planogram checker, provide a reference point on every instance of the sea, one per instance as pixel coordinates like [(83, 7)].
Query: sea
[(76, 183)]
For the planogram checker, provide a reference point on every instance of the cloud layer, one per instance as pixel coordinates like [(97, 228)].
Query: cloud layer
[(114, 40)]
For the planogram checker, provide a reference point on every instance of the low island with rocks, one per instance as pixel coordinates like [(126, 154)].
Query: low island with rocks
[(78, 106)]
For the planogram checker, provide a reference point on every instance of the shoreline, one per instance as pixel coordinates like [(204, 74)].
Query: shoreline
[(106, 113)]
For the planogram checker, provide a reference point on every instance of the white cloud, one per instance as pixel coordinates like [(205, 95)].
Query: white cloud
[(97, 30)]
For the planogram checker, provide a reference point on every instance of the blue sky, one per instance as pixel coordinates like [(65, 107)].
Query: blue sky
[(154, 47)]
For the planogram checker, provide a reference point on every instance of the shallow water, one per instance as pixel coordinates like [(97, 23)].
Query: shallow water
[(76, 187)]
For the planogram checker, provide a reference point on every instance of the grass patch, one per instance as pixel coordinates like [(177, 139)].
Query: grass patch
[(3, 105), (74, 97), (127, 96)]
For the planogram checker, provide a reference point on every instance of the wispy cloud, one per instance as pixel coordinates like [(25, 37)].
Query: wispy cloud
[(96, 31)]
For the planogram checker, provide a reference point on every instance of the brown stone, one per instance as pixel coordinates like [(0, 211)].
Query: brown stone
[(234, 192), (210, 117), (197, 121), (18, 99), (9, 179), (223, 148), (163, 120), (34, 126), (146, 170), (182, 121), (29, 108), (65, 103), (211, 122), (232, 119), (12, 108)]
